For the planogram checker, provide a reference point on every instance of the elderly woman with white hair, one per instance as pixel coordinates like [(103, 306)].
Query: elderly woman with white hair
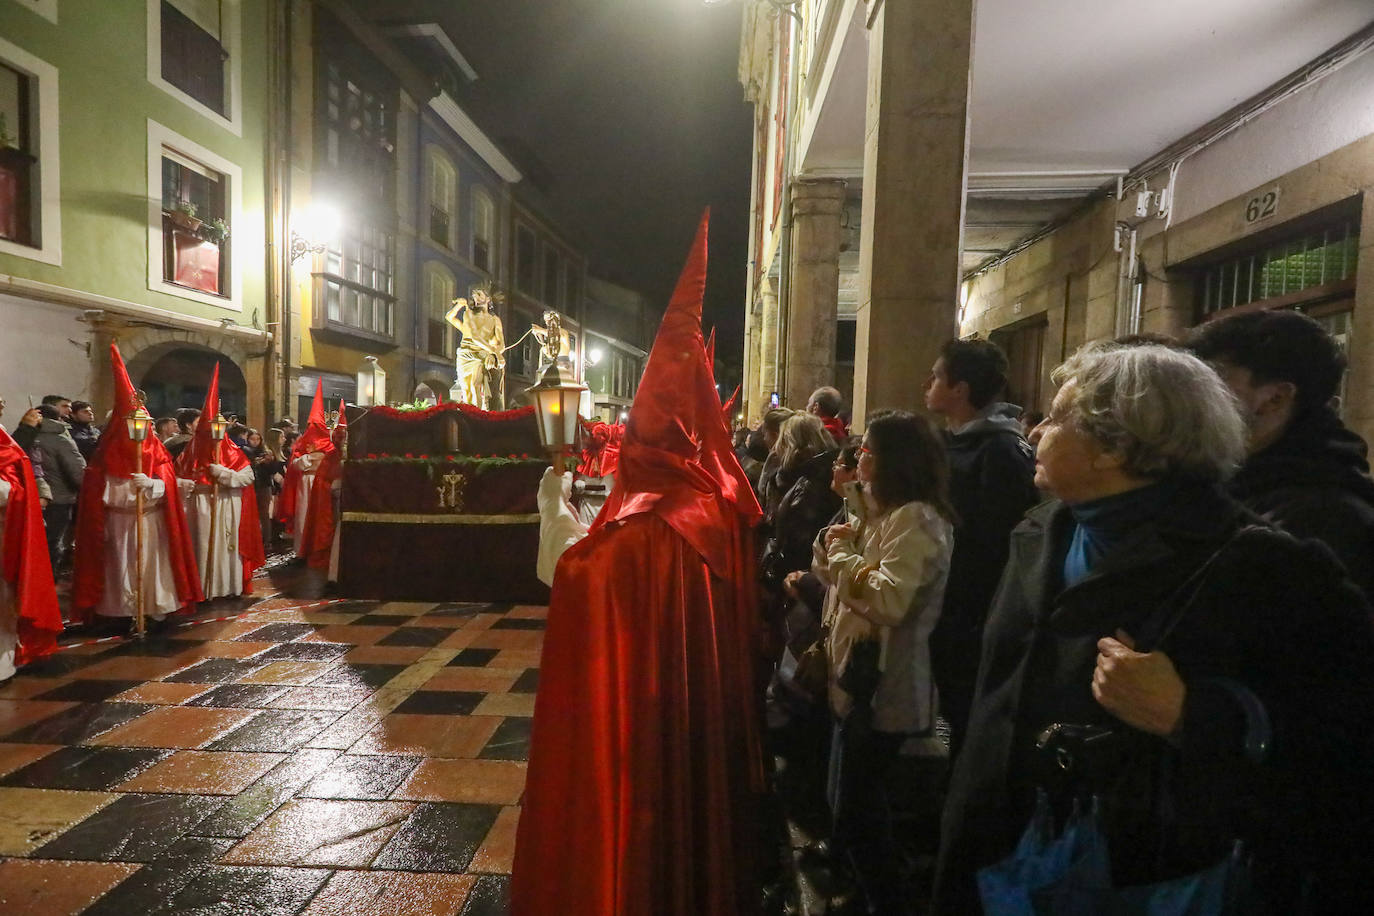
[(1212, 679)]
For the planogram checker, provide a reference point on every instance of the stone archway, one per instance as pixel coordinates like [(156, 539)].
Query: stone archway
[(176, 374)]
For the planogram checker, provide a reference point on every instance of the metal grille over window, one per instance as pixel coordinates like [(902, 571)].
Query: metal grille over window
[(1318, 262)]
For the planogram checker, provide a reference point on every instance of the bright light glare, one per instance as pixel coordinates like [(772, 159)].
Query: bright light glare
[(321, 221), (594, 356)]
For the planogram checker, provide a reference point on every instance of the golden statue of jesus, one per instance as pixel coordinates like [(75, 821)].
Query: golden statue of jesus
[(481, 353)]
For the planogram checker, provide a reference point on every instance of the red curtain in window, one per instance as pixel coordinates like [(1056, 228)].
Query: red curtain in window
[(196, 262), (9, 204)]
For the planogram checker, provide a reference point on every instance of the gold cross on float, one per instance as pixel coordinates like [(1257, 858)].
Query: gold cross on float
[(451, 490)]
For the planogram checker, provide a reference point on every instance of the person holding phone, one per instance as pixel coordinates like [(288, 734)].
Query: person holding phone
[(889, 579)]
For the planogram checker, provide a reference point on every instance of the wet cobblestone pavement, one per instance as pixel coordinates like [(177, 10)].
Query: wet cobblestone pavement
[(302, 757)]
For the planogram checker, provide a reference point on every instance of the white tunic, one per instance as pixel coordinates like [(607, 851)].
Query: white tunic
[(9, 629), (559, 526), (222, 573), (308, 465), (159, 584)]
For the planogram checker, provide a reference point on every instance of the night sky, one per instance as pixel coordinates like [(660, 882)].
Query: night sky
[(635, 118)]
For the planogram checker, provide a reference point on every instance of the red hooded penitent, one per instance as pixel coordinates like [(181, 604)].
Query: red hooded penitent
[(645, 763), (317, 541), (194, 464), (26, 564), (116, 458), (314, 438)]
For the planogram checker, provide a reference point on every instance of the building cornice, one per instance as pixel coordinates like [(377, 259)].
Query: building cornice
[(448, 111)]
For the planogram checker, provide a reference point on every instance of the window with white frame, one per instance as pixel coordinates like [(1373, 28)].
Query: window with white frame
[(195, 226), (439, 294), (483, 231), (193, 51), (195, 221), (443, 198), (359, 280), (29, 210)]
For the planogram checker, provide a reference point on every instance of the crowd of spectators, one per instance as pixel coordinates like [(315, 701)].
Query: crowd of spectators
[(1150, 604)]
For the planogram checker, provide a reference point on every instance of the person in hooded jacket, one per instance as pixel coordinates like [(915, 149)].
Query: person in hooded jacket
[(63, 468), (991, 485), (1304, 471), (805, 502)]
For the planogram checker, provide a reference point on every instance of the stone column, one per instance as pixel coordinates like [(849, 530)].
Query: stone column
[(748, 397), (915, 171), (814, 290), (768, 347)]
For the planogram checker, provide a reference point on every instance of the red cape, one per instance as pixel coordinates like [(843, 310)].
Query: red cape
[(114, 458), (317, 541), (194, 464), (25, 559), (644, 756), (315, 438)]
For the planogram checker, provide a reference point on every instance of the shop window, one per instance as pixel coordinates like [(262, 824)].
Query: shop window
[(1311, 264), (525, 268), (443, 202), (195, 225), (358, 280), (483, 231)]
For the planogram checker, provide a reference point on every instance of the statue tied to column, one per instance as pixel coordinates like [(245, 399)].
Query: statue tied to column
[(555, 345), (481, 366)]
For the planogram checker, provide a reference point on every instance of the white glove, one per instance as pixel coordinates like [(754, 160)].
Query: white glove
[(185, 485), (142, 481), (554, 488), (218, 470)]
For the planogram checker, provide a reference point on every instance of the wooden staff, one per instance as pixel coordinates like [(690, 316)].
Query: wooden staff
[(139, 625)]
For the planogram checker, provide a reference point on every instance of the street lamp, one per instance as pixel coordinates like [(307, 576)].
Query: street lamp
[(594, 356), (139, 422), (556, 399), (371, 383), (317, 228)]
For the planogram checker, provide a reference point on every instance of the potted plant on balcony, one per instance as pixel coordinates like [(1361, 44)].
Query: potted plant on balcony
[(215, 230), (183, 214)]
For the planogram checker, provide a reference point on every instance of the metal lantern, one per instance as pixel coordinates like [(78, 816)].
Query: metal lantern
[(218, 427), (556, 399), (371, 383), (139, 423)]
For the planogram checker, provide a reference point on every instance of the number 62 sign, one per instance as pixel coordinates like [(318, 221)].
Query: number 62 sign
[(1262, 206)]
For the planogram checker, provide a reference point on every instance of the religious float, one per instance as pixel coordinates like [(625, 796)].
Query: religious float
[(438, 504)]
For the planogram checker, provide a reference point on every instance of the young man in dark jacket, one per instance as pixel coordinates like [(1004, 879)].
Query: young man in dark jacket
[(1305, 471), (991, 483)]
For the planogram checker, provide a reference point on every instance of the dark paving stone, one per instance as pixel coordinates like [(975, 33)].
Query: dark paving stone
[(303, 652), (242, 696), (527, 682), (230, 890), (459, 610), (490, 896), (438, 837), (510, 741), (60, 663), (473, 658), (361, 777), (518, 623), (133, 828), (216, 671), (88, 691), (153, 647), (239, 815), (78, 724), (380, 620), (415, 636), (90, 769), (350, 607), (149, 889), (440, 702), (358, 675), (277, 730), (277, 632)]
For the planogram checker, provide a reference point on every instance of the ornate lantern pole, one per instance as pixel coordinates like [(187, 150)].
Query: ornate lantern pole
[(218, 427), (556, 399), (139, 423)]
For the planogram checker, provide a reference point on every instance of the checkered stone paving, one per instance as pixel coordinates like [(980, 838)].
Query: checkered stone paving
[(300, 757)]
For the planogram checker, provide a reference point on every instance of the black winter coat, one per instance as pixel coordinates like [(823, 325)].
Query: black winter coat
[(1314, 483), (805, 506), (991, 485), (1273, 616)]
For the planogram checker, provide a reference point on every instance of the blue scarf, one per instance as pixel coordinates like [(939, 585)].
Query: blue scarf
[(1102, 524)]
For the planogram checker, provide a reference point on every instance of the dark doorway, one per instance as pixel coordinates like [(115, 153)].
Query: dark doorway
[(180, 377)]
